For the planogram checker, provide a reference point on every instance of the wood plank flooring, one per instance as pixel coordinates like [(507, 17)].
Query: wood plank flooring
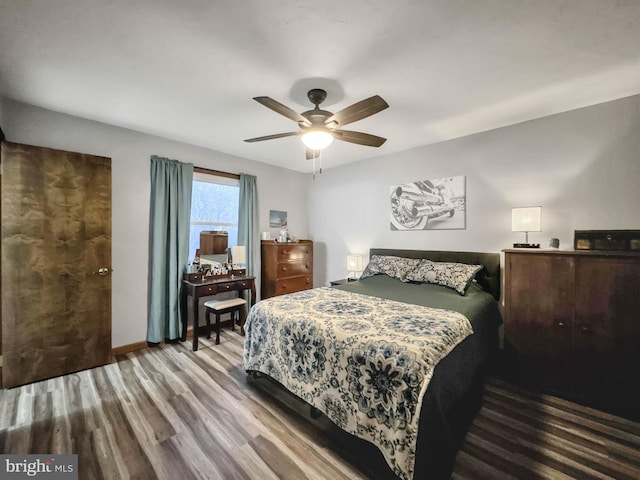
[(170, 413)]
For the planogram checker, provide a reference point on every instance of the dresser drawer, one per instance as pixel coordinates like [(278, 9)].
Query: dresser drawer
[(286, 267), (292, 269), (293, 252), (227, 287), (206, 290), (293, 284)]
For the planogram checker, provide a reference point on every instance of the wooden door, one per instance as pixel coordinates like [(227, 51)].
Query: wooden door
[(56, 235), (607, 326), (538, 331)]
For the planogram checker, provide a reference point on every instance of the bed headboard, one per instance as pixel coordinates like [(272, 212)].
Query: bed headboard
[(488, 277)]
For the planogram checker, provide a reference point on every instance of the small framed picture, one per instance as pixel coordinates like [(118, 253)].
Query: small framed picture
[(277, 219)]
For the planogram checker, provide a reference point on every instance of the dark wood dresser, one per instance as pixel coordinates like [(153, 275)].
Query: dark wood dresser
[(572, 325), (286, 267)]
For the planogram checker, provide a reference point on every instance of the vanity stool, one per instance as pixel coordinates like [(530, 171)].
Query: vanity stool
[(220, 307)]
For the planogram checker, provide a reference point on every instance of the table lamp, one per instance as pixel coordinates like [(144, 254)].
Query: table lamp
[(354, 266), (526, 219), (239, 257)]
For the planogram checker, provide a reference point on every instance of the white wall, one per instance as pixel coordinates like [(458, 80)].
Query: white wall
[(582, 167), (130, 151)]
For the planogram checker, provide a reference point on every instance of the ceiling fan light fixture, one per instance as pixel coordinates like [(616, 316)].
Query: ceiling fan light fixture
[(317, 139), (319, 127)]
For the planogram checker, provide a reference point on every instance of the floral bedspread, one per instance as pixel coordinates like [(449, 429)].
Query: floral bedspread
[(365, 362)]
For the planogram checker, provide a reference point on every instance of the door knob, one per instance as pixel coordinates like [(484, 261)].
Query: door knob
[(102, 271)]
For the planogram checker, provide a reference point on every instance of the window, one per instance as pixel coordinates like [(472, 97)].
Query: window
[(214, 206)]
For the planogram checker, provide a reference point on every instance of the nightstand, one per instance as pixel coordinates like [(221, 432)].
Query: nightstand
[(342, 281)]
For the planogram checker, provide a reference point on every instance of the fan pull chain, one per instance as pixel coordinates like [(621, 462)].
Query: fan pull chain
[(316, 154)]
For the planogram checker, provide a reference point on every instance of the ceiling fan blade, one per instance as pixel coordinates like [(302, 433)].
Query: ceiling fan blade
[(282, 110), (359, 138), (358, 111), (271, 137), (312, 153)]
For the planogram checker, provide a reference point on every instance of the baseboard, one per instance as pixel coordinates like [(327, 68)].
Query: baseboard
[(133, 347)]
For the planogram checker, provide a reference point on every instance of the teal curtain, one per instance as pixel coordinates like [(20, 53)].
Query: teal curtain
[(248, 220), (171, 183)]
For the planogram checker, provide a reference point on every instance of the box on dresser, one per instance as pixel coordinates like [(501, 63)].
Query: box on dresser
[(287, 267), (619, 240)]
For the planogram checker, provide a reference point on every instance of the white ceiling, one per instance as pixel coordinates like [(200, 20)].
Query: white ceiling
[(188, 69)]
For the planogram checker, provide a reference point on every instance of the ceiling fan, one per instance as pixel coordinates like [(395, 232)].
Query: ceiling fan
[(319, 127)]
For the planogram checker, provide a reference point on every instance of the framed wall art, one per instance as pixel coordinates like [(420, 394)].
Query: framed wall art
[(434, 204), (277, 219)]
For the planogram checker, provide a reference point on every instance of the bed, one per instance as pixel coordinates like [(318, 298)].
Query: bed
[(358, 352)]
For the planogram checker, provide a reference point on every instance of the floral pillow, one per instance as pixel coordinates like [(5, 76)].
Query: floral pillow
[(453, 275), (394, 267)]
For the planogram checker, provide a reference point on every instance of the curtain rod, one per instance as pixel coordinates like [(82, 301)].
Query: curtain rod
[(216, 172)]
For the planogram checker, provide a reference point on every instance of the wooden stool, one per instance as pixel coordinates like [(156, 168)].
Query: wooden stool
[(220, 307)]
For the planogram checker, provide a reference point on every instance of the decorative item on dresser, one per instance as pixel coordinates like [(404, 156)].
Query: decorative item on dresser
[(571, 325), (628, 240), (286, 267)]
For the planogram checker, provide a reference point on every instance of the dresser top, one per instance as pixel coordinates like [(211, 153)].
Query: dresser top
[(586, 253), (274, 242)]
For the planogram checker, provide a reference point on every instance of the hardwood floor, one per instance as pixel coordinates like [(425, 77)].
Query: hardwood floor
[(171, 413)]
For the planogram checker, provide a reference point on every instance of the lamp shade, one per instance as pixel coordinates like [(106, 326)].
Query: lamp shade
[(526, 219), (239, 255), (317, 139), (354, 263)]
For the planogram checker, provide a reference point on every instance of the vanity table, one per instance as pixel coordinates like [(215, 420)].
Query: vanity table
[(203, 286)]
